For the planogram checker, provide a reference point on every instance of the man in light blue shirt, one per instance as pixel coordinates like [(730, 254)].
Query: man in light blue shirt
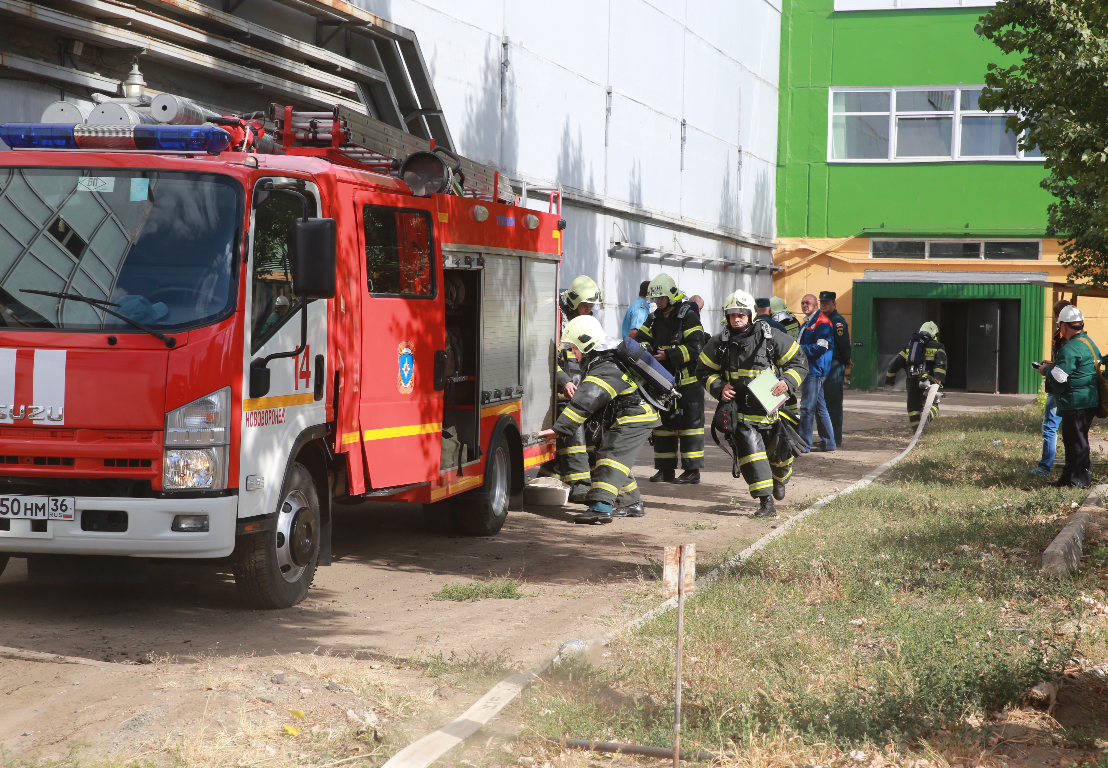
[(637, 312)]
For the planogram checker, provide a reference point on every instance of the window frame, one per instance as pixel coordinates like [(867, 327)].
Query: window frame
[(431, 258), (955, 113), (979, 240)]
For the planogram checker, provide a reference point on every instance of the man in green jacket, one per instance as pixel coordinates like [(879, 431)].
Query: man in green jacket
[(1073, 380)]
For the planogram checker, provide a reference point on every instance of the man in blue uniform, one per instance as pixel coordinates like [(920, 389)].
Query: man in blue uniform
[(840, 364), (816, 339)]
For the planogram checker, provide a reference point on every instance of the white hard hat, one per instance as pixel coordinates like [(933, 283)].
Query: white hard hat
[(739, 301), (1070, 314), (281, 302), (584, 332)]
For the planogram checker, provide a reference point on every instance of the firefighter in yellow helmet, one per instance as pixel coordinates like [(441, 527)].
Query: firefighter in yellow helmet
[(675, 336), (609, 395), (571, 464), (924, 361), (728, 363)]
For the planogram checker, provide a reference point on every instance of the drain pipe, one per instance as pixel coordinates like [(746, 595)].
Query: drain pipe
[(421, 753)]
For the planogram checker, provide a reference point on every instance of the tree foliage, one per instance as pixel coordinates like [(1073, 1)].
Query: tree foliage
[(1059, 91)]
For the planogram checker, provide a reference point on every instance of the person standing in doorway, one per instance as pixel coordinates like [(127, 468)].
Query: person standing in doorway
[(675, 337), (636, 313), (1051, 419), (816, 339), (840, 364), (1074, 384)]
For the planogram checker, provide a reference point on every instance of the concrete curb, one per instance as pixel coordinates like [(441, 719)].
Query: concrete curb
[(1063, 554)]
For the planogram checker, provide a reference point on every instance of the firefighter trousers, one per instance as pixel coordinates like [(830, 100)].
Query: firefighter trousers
[(682, 430), (571, 463), (916, 398), (755, 447), (613, 481)]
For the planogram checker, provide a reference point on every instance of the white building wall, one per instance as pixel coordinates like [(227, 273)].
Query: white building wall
[(525, 84)]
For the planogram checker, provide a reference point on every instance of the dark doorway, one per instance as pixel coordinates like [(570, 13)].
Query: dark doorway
[(952, 333), (982, 345), (897, 320)]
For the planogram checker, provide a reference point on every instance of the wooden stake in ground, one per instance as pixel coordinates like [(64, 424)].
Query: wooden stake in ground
[(679, 578)]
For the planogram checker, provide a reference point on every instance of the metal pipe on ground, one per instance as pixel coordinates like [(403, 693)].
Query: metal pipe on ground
[(632, 749)]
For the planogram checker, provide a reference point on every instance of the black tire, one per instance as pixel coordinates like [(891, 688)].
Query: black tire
[(275, 568), (483, 514)]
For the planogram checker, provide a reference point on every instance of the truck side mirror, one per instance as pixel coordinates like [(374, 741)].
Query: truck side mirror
[(314, 261), (259, 377)]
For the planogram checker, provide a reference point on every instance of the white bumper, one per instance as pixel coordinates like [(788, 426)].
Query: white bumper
[(148, 534)]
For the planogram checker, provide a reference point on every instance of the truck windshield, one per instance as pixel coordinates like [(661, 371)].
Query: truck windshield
[(158, 245)]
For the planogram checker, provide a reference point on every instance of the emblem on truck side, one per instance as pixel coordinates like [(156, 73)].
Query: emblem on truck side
[(405, 379)]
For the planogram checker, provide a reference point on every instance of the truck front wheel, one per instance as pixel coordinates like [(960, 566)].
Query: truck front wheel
[(275, 568), (484, 515)]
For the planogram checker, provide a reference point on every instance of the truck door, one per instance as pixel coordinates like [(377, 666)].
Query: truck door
[(402, 327)]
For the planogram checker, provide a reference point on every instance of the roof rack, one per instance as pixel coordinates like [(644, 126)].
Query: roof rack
[(349, 138)]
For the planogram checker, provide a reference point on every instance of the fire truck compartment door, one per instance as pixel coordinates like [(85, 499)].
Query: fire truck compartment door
[(540, 332), (403, 325), (500, 318)]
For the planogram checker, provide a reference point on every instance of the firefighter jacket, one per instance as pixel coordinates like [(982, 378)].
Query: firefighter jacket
[(934, 359), (817, 341), (678, 331), (568, 369), (788, 319), (607, 392), (737, 357), (1074, 374), (841, 330)]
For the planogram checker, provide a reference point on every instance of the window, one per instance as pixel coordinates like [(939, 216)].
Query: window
[(918, 124), (955, 249), (398, 252), (274, 299)]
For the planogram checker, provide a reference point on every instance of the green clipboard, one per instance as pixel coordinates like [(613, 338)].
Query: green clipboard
[(762, 388)]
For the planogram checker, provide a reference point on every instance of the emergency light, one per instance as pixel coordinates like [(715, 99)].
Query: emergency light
[(167, 138)]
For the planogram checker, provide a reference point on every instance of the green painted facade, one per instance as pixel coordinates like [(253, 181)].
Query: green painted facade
[(821, 48)]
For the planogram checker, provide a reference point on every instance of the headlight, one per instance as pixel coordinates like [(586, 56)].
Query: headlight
[(194, 469), (196, 436)]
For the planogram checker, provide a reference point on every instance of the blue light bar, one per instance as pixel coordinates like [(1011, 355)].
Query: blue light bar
[(38, 135), (168, 138), (182, 138)]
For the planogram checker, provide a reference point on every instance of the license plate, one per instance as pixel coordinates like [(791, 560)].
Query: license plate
[(38, 507)]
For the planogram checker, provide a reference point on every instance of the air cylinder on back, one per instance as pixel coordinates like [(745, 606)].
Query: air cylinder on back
[(173, 110)]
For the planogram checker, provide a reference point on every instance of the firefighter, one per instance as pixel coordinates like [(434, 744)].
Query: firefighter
[(781, 314), (925, 361), (674, 334), (840, 364), (609, 394), (765, 313), (730, 359), (571, 465)]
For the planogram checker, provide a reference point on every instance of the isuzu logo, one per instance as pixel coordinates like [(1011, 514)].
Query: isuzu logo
[(32, 386)]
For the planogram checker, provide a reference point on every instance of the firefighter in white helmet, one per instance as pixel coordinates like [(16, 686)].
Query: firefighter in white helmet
[(609, 394), (675, 336), (924, 361), (728, 363), (571, 464)]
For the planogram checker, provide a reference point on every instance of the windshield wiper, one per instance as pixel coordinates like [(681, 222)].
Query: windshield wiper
[(101, 304)]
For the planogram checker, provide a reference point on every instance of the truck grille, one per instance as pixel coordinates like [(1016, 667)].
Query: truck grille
[(128, 463), (42, 461)]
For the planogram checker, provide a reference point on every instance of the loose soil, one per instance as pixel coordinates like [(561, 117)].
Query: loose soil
[(180, 666)]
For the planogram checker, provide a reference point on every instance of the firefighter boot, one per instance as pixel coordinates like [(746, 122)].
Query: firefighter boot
[(778, 490), (663, 476), (599, 512), (631, 510), (577, 493), (689, 477), (768, 508)]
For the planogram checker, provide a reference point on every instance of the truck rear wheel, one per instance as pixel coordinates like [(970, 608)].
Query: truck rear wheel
[(484, 515), (275, 568)]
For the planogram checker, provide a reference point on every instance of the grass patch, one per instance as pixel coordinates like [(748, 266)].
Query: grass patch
[(506, 588), (697, 526), (897, 611)]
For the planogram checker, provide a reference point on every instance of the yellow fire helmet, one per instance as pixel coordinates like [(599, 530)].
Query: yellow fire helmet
[(739, 301), (663, 287), (930, 329), (584, 332), (582, 289)]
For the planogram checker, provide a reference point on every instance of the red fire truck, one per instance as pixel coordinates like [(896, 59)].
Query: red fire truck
[(211, 335)]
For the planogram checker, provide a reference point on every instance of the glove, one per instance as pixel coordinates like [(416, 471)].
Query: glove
[(823, 343)]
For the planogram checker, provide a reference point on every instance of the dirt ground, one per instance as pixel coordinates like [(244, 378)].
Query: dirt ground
[(178, 664)]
